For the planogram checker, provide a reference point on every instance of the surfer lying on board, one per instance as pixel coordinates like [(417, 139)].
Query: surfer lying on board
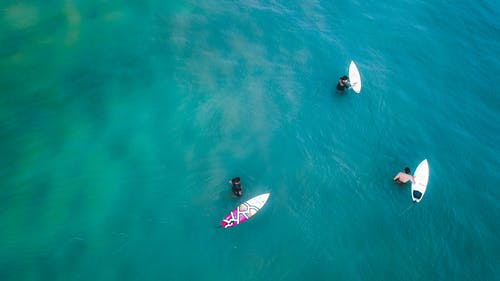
[(237, 190), (343, 83), (404, 177)]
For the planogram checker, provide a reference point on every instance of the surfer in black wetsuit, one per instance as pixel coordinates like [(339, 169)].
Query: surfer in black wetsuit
[(237, 189), (343, 84)]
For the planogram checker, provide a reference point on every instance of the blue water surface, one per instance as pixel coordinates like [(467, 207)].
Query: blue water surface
[(121, 123)]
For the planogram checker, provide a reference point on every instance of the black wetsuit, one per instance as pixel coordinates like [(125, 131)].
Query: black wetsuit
[(341, 87), (237, 190)]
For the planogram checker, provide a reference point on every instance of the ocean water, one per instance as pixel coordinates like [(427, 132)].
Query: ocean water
[(121, 123)]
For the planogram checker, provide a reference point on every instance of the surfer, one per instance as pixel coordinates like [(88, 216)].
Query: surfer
[(343, 84), (237, 189), (404, 177)]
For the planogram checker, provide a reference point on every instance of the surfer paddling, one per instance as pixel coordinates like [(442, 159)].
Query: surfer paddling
[(237, 189), (404, 177), (343, 84)]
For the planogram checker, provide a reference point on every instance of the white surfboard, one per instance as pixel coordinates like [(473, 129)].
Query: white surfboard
[(244, 211), (354, 77), (421, 177)]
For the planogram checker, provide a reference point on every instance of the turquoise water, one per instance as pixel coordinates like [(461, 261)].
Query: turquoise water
[(121, 123)]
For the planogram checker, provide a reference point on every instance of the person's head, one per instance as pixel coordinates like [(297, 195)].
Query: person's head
[(236, 180), (407, 170), (344, 78)]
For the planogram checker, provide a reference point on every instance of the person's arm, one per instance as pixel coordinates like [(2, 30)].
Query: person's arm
[(412, 179), (397, 176)]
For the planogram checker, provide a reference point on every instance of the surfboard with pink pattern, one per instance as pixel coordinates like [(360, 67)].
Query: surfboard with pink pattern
[(244, 211)]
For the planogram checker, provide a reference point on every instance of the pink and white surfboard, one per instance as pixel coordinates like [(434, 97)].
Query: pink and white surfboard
[(244, 211)]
